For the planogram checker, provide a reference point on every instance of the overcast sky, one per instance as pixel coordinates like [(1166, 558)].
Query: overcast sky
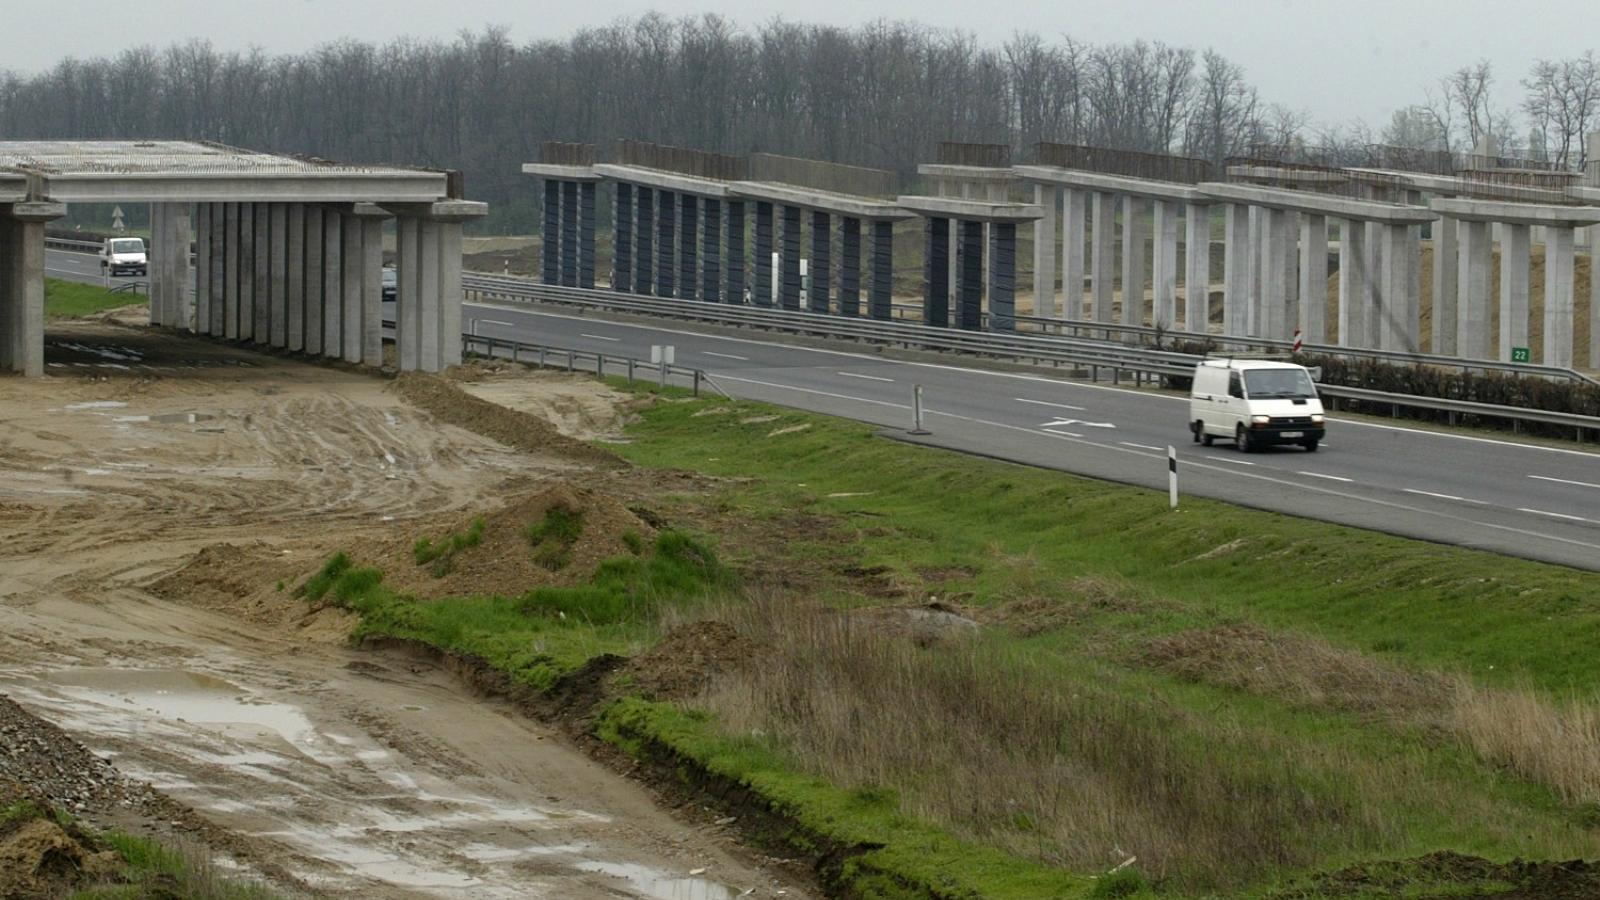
[(1335, 59)]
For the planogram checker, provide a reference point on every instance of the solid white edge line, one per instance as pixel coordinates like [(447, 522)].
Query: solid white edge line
[(1556, 515), (1047, 403), (1062, 433), (1329, 477), (1565, 481), (867, 377), (601, 337), (1142, 446), (1228, 459), (724, 355), (495, 322)]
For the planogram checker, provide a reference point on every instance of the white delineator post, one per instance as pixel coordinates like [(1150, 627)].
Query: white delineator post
[(1172, 476), (916, 410)]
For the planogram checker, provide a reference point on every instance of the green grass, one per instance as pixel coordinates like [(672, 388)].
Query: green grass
[(440, 558), (68, 299), (553, 536)]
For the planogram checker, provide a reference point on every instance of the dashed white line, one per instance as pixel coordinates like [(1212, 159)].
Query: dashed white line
[(1445, 496), (1056, 405), (1141, 446), (725, 355), (1554, 515), (1329, 477), (600, 337), (1565, 481), (1062, 433), (867, 377), (1229, 459)]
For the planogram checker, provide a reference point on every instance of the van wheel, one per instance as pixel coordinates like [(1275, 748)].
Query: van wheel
[(1241, 437), (1311, 446), (1196, 428), (1207, 440)]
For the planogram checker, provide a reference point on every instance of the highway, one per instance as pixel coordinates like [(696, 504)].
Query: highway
[(1535, 501)]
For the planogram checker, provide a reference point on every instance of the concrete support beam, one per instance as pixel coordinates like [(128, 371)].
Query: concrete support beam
[(372, 290), (586, 242), (159, 257), (1446, 282), (247, 271), (1354, 274), (1164, 265), (1252, 309), (408, 311), (313, 279), (1074, 221), (1273, 315), (1102, 256), (1594, 271), (431, 356), (202, 275), (180, 230), (936, 272), (761, 287), (666, 243), (880, 294), (850, 266), (1003, 275), (622, 244), (969, 312), (550, 234), (736, 252), (1373, 305), (1558, 297), (818, 293), (789, 259), (1313, 323), (22, 286), (1135, 231), (688, 245), (1044, 251), (449, 292), (278, 273), (1236, 258), (1395, 291), (1514, 262), (218, 291), (1291, 265), (1197, 268), (261, 259), (644, 233), (294, 240), (569, 233), (230, 271), (332, 284), (350, 259), (1475, 260), (711, 253)]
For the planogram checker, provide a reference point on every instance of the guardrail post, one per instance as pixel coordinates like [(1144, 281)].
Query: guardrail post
[(916, 411), (569, 360), (600, 365), (697, 382), (541, 357), (662, 367), (630, 371)]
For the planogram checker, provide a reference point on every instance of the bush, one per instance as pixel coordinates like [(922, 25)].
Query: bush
[(554, 536), (442, 555)]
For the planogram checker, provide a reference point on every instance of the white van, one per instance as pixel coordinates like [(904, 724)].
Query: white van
[(1254, 403), (124, 256)]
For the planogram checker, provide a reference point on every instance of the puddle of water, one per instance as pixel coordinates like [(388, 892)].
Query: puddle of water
[(660, 885), (169, 418)]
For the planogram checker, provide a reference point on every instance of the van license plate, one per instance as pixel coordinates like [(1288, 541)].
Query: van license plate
[(1289, 434)]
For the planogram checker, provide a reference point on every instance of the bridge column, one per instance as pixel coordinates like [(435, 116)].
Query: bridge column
[(1102, 257), (216, 269), (1446, 284), (688, 245), (1003, 276), (278, 272), (314, 280), (880, 297), (1475, 260), (736, 254), (936, 272), (1073, 222), (586, 223), (247, 271), (850, 266), (160, 256), (817, 296), (789, 259), (1236, 258), (1273, 317), (969, 312), (22, 284), (569, 234), (202, 275), (761, 289), (1252, 311), (1394, 285), (1291, 273), (1514, 262), (1313, 322), (1594, 270), (230, 270), (1558, 296), (644, 241), (1044, 251), (332, 283), (666, 228), (622, 243), (294, 287), (351, 259), (372, 289), (1164, 267), (1353, 278), (711, 254), (1197, 267), (430, 356), (408, 313), (1135, 231), (261, 272), (550, 234)]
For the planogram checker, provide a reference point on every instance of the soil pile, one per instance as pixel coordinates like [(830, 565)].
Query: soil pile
[(514, 428), (1455, 875), (688, 658), (559, 534), (244, 580), (40, 856), (52, 767)]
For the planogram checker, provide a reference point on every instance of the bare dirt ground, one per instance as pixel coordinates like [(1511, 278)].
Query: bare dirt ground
[(354, 772)]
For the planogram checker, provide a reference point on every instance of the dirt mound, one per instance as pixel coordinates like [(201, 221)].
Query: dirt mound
[(557, 535), (40, 858), (514, 428), (927, 625), (1455, 875), (688, 658), (251, 581), (49, 765), (1076, 602)]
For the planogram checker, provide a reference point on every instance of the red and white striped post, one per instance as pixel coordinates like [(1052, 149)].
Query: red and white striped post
[(1297, 342)]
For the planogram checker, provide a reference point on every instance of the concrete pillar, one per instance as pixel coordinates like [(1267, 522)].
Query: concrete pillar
[(1394, 287), (969, 312), (1252, 309), (711, 254), (1273, 315), (294, 240), (313, 280), (1353, 278), (202, 275), (880, 293), (332, 284), (1558, 297), (1164, 266), (22, 285), (1412, 324), (936, 272), (818, 294), (1236, 258), (569, 235), (622, 243), (688, 245), (789, 259), (278, 272), (372, 290), (156, 288), (1073, 223), (247, 271), (1044, 251), (350, 261), (1135, 230), (408, 306), (1594, 270), (261, 260), (850, 266), (180, 223), (1291, 267), (550, 234), (1003, 275), (1373, 305), (666, 243), (1197, 268), (1313, 322), (217, 272), (1514, 262), (449, 293), (644, 232), (1475, 260), (1446, 280), (761, 288), (430, 337), (586, 242), (736, 253), (1102, 256), (230, 271)]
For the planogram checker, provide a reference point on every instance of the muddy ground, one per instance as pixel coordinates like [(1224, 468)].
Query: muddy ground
[(328, 768)]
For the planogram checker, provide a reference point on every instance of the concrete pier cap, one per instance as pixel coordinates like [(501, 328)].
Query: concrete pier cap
[(1510, 213)]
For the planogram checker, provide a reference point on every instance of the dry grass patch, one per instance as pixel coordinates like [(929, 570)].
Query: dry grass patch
[(1553, 743)]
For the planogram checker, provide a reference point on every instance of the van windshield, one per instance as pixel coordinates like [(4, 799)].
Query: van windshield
[(130, 245), (1290, 384)]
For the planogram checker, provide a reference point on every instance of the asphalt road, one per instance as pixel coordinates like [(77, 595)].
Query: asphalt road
[(1522, 499)]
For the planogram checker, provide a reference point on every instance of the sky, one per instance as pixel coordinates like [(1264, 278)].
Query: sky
[(1337, 60)]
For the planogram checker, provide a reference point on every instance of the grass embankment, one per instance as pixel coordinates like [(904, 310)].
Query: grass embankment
[(1217, 700), (70, 299)]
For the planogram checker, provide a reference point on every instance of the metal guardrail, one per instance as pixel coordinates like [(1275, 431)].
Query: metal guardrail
[(1457, 408), (545, 356)]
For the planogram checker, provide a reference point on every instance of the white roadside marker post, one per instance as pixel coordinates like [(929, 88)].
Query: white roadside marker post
[(1172, 476), (916, 411)]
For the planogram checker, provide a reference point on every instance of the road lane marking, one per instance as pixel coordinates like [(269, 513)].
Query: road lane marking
[(495, 322), (1565, 481), (725, 355), (1229, 459), (867, 377), (789, 387), (1445, 496), (1056, 405), (1545, 512), (1063, 433), (1141, 446), (1057, 423), (1329, 477), (600, 337)]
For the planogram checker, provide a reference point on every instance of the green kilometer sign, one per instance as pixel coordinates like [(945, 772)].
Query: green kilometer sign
[(1520, 354)]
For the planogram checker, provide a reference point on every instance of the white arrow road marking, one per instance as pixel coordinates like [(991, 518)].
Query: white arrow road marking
[(1061, 422)]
